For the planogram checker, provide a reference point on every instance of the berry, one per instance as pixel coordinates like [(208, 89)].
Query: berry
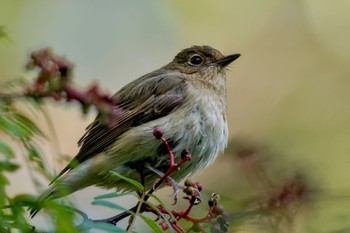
[(185, 154), (158, 133), (189, 190), (199, 186), (218, 210), (195, 200), (189, 182), (211, 202)]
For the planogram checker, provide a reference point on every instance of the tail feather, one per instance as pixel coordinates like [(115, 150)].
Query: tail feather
[(48, 195), (70, 182), (78, 178)]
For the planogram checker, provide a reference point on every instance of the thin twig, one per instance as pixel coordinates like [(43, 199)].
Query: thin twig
[(138, 211)]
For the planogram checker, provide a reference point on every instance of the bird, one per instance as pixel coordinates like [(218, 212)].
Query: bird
[(186, 99)]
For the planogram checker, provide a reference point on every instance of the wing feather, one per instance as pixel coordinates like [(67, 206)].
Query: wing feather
[(145, 99)]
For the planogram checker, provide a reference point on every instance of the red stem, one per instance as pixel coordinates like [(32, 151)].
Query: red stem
[(184, 214), (171, 154), (177, 228)]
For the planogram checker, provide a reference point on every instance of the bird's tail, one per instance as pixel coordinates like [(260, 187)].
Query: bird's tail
[(78, 178), (44, 198), (56, 190)]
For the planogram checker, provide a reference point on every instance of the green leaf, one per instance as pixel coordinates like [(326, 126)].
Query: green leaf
[(87, 225), (35, 156), (3, 181), (110, 205), (23, 198), (13, 129), (8, 166), (163, 205), (162, 215), (26, 122), (112, 195), (131, 181), (6, 150), (154, 225)]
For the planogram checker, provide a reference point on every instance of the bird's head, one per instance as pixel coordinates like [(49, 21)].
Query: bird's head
[(203, 62)]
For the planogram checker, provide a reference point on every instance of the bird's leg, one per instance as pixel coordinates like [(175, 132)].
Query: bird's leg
[(170, 181), (142, 178)]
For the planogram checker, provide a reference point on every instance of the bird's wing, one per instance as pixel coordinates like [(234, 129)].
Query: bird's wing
[(145, 99)]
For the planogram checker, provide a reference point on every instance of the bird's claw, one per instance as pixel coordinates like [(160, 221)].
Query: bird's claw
[(170, 182)]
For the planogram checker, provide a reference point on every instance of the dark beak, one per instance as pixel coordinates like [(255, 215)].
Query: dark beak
[(228, 59)]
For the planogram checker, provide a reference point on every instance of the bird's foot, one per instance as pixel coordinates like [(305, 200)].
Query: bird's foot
[(168, 180)]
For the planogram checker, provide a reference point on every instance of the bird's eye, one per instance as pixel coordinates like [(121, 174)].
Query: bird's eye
[(196, 60)]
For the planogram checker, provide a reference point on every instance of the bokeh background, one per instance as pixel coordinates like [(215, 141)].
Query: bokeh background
[(288, 95)]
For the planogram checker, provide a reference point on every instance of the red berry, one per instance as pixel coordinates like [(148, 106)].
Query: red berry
[(158, 133), (199, 186), (185, 154)]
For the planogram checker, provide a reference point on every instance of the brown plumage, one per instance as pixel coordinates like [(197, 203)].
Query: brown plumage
[(186, 99)]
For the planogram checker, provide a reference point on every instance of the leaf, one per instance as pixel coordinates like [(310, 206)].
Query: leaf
[(110, 205), (15, 130), (26, 122), (112, 195), (34, 155), (155, 226), (162, 215), (6, 150), (87, 225), (8, 166), (3, 181), (23, 198), (163, 205), (131, 181)]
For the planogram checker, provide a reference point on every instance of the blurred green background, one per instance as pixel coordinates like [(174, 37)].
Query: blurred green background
[(288, 94)]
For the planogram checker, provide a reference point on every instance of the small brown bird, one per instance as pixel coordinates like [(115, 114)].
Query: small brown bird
[(186, 99)]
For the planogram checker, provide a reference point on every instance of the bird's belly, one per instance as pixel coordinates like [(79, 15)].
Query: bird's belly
[(204, 135)]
